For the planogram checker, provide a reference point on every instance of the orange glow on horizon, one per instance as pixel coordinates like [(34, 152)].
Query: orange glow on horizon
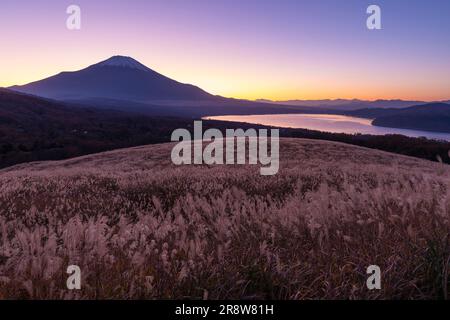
[(222, 81), (295, 51)]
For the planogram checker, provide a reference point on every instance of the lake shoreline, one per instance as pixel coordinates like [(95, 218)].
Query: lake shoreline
[(328, 123)]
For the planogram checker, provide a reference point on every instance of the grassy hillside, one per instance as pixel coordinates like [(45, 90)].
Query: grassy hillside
[(140, 227), (36, 129)]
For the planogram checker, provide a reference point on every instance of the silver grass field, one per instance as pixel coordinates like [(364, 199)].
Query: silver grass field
[(140, 227)]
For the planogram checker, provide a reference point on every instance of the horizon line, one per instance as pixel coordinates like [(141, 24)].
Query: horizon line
[(248, 97)]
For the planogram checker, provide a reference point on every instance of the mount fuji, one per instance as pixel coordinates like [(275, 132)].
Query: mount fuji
[(118, 78)]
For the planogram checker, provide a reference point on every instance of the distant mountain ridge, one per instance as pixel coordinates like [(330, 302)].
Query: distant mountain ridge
[(34, 128), (429, 117), (118, 77), (349, 104)]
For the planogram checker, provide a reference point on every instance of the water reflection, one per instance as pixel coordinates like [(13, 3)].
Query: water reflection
[(329, 123)]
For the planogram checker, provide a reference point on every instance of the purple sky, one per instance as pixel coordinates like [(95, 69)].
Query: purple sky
[(280, 49)]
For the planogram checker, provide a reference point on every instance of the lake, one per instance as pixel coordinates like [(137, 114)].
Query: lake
[(329, 123)]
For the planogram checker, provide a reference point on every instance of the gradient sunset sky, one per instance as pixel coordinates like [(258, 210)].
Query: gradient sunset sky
[(277, 49)]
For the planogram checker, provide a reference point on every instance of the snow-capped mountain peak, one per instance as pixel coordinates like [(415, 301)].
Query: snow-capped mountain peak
[(117, 78), (122, 61)]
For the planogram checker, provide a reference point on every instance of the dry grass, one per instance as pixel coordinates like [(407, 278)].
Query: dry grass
[(141, 228)]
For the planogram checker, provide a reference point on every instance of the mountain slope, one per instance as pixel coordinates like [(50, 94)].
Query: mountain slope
[(119, 77), (122, 83), (428, 117), (33, 128)]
